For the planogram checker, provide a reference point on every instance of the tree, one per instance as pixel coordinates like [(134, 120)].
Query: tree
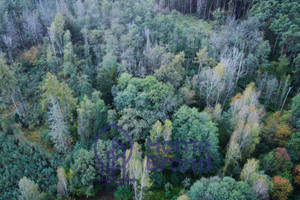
[(161, 131), (217, 188), (260, 185), (92, 116), (85, 117), (29, 190), (296, 109), (83, 170), (246, 114), (277, 129), (69, 65), (277, 162), (59, 130), (8, 83), (281, 188), (296, 174), (249, 169), (100, 114), (137, 169), (293, 146), (62, 185), (233, 156), (201, 59), (133, 122), (61, 91), (172, 72), (105, 81), (103, 146), (156, 57), (211, 84), (191, 125), (56, 33), (144, 101)]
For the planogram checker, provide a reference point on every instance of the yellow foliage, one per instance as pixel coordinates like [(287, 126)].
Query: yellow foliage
[(70, 173)]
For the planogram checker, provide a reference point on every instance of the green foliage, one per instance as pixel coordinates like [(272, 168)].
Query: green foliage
[(105, 81), (18, 160), (59, 133), (92, 116), (83, 170), (142, 102), (217, 188), (284, 22), (172, 72), (61, 91), (191, 125), (147, 60), (296, 110), (7, 77), (277, 162), (293, 147), (123, 192)]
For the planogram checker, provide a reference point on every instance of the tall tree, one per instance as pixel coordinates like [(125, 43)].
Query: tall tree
[(8, 83), (246, 114), (82, 171), (56, 34), (59, 130), (61, 91), (137, 169), (191, 125), (69, 65)]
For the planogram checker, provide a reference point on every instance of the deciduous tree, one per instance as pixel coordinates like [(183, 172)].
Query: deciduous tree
[(281, 188), (29, 190)]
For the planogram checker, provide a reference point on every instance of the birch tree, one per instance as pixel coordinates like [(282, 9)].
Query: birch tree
[(246, 114), (211, 84), (249, 169), (137, 169)]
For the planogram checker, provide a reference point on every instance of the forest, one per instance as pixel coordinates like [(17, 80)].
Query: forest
[(225, 73)]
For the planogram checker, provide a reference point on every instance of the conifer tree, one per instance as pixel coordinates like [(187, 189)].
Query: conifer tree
[(59, 130)]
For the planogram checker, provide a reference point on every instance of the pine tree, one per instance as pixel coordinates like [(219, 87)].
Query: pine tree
[(69, 67), (59, 130), (56, 32)]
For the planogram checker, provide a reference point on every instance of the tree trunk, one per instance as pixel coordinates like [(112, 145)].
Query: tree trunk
[(205, 9), (274, 47), (13, 100), (287, 94)]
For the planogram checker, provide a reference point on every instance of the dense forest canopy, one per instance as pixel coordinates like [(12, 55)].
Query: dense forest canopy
[(222, 71)]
